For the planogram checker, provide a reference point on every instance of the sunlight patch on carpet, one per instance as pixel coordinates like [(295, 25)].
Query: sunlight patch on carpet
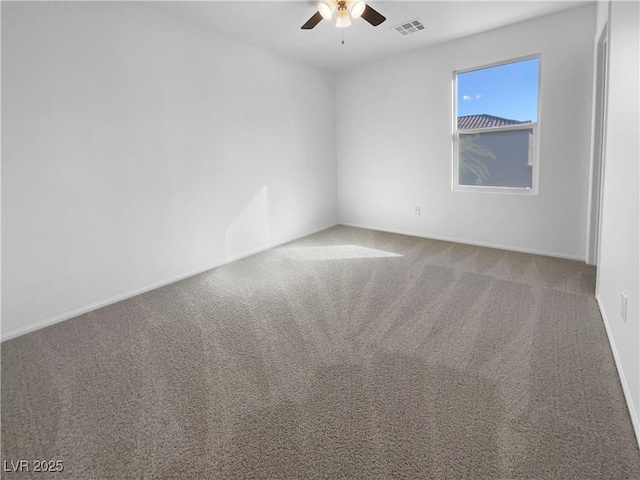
[(335, 252)]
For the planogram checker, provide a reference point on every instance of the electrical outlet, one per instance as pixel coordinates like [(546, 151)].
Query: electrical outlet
[(623, 306), (416, 211)]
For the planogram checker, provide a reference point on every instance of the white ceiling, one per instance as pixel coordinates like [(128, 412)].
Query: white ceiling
[(275, 25)]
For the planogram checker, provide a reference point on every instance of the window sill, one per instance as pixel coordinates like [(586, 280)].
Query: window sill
[(486, 189)]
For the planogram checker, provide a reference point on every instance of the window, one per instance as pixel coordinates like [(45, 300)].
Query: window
[(496, 128)]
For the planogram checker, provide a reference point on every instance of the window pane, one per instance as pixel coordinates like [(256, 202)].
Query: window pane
[(497, 159), (507, 91), (501, 104)]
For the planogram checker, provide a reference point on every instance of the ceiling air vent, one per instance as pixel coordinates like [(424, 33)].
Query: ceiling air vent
[(412, 26)]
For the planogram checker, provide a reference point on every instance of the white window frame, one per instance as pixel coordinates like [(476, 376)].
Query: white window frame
[(534, 147)]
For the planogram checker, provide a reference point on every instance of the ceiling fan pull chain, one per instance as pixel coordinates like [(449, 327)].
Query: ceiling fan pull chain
[(342, 30)]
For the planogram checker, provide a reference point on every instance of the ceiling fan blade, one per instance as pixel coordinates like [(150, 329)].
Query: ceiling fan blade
[(372, 16), (312, 22)]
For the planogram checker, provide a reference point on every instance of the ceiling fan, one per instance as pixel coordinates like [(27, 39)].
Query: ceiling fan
[(347, 9)]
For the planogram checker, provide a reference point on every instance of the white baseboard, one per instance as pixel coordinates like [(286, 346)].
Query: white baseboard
[(623, 379), (132, 293), (469, 242)]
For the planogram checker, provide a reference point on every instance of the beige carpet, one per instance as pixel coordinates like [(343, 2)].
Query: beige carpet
[(347, 354)]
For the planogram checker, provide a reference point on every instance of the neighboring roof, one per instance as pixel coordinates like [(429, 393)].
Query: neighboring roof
[(484, 120)]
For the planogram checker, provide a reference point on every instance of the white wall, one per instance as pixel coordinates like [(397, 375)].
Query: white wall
[(394, 141), (138, 149), (619, 259)]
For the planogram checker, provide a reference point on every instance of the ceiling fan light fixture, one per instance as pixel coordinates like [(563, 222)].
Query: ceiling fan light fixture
[(357, 8), (343, 19), (346, 10), (325, 10)]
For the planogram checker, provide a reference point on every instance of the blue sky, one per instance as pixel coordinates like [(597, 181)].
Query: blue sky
[(509, 91)]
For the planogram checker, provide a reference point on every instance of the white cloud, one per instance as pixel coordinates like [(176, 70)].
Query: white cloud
[(466, 97), (478, 96)]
